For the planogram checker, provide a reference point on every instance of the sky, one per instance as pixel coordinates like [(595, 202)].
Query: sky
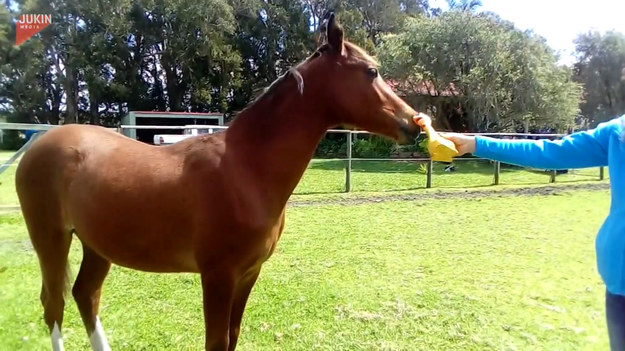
[(558, 21)]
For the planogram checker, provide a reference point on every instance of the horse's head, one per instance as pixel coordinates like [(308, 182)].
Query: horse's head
[(357, 95)]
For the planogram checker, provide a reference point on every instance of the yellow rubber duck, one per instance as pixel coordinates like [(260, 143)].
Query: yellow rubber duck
[(440, 149)]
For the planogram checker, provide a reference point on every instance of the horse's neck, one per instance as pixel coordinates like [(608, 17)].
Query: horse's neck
[(276, 140)]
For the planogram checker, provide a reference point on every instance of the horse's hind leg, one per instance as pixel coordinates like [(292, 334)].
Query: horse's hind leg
[(51, 243), (86, 292)]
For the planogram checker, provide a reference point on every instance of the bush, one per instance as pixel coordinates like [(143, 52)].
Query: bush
[(419, 146), (365, 146), (372, 146), (12, 140), (332, 147)]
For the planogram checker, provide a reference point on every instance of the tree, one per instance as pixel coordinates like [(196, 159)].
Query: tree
[(479, 73), (100, 59), (186, 48), (384, 16), (464, 5), (22, 72), (600, 67), (271, 36)]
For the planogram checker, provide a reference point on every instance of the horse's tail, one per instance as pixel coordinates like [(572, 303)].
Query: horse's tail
[(40, 184)]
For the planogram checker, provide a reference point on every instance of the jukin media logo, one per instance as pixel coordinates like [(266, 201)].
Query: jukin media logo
[(29, 25)]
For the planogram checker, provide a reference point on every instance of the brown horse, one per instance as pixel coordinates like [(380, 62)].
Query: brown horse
[(213, 205)]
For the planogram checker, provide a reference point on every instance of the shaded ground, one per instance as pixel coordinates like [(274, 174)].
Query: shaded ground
[(441, 194), (467, 194)]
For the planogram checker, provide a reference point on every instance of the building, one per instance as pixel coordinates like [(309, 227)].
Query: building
[(158, 118)]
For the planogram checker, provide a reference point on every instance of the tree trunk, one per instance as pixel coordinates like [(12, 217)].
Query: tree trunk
[(56, 91), (173, 88), (55, 112), (71, 86), (70, 95), (93, 108)]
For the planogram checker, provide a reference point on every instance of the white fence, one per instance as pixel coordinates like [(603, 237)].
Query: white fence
[(349, 152)]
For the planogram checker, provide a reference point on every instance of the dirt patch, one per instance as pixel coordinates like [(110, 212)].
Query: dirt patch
[(8, 209), (467, 194)]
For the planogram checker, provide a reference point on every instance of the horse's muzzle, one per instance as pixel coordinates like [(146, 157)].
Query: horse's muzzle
[(408, 132)]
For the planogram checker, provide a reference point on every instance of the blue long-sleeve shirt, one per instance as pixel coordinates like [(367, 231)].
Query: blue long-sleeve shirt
[(602, 146)]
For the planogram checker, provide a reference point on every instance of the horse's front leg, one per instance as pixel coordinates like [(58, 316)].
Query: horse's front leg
[(242, 292), (218, 287)]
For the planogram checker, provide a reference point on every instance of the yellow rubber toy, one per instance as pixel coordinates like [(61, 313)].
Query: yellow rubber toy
[(440, 149)]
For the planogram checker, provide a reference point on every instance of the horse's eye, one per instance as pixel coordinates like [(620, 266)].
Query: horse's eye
[(372, 72)]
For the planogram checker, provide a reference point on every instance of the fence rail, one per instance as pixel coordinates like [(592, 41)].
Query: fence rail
[(348, 160)]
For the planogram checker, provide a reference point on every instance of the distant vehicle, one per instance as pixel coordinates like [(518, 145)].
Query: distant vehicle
[(189, 131)]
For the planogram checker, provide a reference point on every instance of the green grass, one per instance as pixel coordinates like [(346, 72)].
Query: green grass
[(328, 177), (498, 273), (8, 196), (378, 176), (7, 181)]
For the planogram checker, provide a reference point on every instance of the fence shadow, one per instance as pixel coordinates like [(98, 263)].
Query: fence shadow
[(468, 166)]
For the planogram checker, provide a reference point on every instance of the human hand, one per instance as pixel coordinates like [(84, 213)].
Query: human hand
[(465, 144), (422, 120)]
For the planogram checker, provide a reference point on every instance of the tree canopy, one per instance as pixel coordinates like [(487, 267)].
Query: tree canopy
[(472, 71), (495, 76), (600, 68)]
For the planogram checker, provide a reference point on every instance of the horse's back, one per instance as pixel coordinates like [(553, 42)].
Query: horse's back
[(55, 152), (49, 166), (42, 160), (116, 192)]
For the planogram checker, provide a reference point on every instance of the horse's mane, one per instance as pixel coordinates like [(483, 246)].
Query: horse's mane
[(269, 91), (353, 52)]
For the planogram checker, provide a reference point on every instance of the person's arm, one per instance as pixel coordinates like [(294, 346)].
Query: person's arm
[(578, 150)]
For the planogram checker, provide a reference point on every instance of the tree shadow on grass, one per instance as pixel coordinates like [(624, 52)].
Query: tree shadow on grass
[(460, 178), (393, 166)]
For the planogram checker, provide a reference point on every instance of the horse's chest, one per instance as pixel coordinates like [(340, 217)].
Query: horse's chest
[(248, 243), (272, 241)]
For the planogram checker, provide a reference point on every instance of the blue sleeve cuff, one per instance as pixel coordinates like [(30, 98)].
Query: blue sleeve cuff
[(482, 144)]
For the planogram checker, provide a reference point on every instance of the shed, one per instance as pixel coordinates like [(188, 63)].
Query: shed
[(159, 118)]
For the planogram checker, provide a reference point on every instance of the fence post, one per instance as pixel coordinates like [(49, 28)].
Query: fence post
[(497, 169), (552, 178), (601, 173), (348, 167), (428, 181)]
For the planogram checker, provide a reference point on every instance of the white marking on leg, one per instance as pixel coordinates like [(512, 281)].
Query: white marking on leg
[(97, 338), (57, 338)]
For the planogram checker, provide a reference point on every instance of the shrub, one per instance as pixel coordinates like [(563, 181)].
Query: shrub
[(372, 146), (332, 147), (12, 140)]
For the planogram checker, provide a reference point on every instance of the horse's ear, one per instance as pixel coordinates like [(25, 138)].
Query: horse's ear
[(334, 34)]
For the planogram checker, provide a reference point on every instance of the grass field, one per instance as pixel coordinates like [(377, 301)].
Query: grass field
[(375, 176), (494, 273), (328, 177)]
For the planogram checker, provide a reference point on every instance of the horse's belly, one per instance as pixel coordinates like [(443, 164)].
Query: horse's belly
[(154, 243), (138, 223), (143, 251)]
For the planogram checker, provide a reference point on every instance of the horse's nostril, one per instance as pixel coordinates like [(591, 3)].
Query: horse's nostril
[(409, 132)]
